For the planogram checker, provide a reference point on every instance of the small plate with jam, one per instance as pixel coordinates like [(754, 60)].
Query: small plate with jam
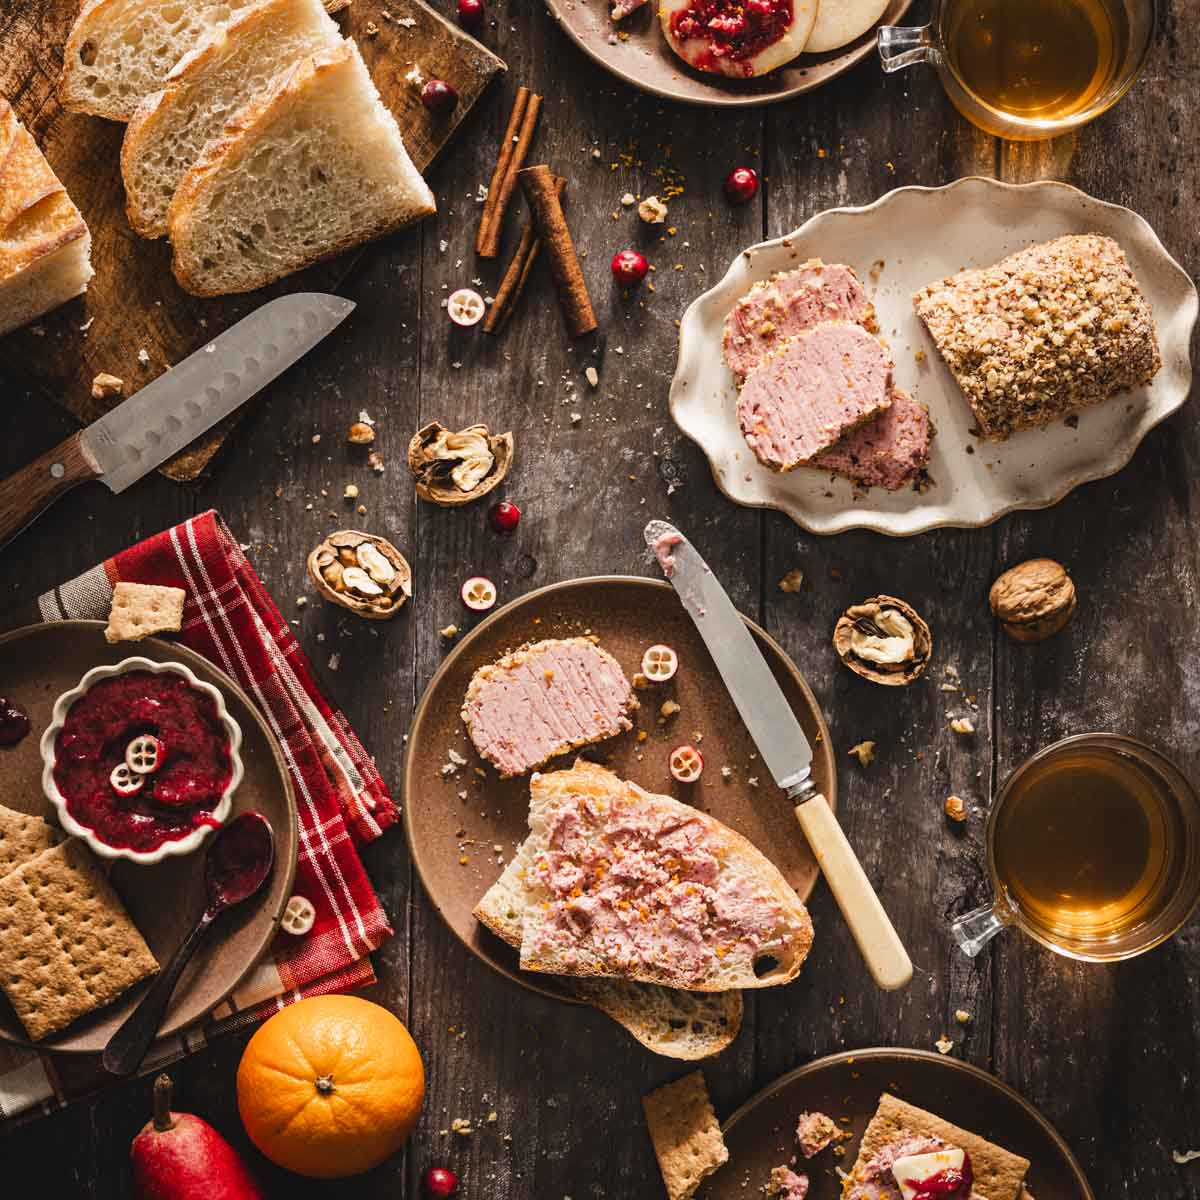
[(218, 759)]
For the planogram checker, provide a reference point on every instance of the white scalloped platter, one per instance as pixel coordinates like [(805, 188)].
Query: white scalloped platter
[(920, 235)]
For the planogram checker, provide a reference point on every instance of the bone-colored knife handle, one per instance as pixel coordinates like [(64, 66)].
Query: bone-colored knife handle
[(37, 486), (881, 948)]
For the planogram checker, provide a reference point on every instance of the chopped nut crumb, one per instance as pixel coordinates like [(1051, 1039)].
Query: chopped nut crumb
[(669, 708), (944, 1045), (956, 808), (351, 492), (864, 752), (105, 386), (793, 581), (962, 1016), (592, 376), (360, 434), (962, 725), (652, 210), (449, 632)]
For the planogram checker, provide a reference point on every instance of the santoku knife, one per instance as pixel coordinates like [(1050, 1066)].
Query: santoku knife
[(182, 403), (784, 748)]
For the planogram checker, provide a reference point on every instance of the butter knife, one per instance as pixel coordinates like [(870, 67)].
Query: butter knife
[(160, 419), (781, 742)]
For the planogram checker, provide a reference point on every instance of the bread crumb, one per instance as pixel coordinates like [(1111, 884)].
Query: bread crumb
[(864, 752)]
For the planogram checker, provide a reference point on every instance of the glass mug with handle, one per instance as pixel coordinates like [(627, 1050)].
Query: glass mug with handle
[(1093, 848), (1028, 69)]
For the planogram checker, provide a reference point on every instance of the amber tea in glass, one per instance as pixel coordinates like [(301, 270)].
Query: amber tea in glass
[(1028, 69), (1094, 850)]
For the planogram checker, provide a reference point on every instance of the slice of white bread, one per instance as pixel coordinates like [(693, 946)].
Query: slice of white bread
[(120, 51), (306, 170), (617, 882), (45, 247), (667, 1021), (204, 90)]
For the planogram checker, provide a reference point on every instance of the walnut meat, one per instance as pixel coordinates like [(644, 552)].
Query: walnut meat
[(883, 640), (454, 468), (361, 572), (1033, 600)]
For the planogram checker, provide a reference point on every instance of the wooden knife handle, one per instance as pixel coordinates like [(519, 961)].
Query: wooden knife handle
[(35, 487), (880, 945)]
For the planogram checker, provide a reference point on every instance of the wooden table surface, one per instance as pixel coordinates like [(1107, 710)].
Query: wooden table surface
[(1109, 1054)]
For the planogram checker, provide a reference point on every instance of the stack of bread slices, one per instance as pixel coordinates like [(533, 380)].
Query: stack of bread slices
[(256, 139)]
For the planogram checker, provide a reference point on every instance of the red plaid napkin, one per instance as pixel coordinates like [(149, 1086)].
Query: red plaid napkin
[(231, 620)]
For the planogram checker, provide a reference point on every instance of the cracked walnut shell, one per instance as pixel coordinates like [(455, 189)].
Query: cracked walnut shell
[(1033, 600), (361, 572), (883, 640), (454, 468)]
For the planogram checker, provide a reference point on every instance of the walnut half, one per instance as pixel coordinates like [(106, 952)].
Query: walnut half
[(361, 572), (454, 468), (1033, 600), (883, 640)]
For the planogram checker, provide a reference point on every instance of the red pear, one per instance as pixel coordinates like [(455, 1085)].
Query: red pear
[(177, 1156)]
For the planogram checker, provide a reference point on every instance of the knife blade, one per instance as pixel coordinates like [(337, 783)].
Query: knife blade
[(167, 414), (785, 749), (173, 410)]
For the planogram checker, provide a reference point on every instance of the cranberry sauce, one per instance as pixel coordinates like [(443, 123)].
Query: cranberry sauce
[(735, 30), (179, 796), (949, 1184), (14, 722)]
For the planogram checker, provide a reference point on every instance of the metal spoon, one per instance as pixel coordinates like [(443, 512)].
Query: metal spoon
[(238, 863)]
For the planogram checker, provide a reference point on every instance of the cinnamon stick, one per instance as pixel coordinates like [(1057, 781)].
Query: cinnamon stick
[(541, 192), (517, 272), (518, 136)]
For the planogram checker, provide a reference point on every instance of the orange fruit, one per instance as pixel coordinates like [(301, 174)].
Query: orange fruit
[(330, 1086)]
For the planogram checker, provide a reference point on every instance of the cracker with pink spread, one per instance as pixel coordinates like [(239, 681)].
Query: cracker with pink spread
[(544, 700), (815, 1131), (785, 1184), (620, 882)]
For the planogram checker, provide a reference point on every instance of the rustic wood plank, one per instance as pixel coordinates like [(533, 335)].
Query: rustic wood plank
[(133, 303), (1120, 1033)]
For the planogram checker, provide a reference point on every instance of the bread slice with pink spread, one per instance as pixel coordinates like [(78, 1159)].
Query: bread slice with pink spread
[(614, 881), (544, 700)]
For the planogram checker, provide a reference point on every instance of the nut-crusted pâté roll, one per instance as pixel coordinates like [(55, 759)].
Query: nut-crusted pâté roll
[(1053, 328)]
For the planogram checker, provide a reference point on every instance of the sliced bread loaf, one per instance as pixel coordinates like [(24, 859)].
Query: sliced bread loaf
[(618, 882), (120, 51), (309, 168), (45, 247), (667, 1021), (204, 90)]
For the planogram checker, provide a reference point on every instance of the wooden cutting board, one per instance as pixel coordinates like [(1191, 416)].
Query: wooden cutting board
[(133, 303)]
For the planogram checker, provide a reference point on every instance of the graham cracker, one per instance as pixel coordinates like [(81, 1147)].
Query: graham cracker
[(140, 610), (687, 1139), (23, 837), (67, 945), (999, 1174)]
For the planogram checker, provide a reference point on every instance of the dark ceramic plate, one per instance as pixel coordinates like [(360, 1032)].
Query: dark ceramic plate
[(628, 614), (646, 61), (39, 663), (760, 1134)]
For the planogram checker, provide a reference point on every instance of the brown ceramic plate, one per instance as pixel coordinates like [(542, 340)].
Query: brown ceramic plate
[(628, 614), (760, 1134), (645, 60), (39, 663)]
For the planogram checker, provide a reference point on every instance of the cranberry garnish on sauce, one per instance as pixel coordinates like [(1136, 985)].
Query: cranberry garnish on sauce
[(951, 1183), (14, 722), (735, 30)]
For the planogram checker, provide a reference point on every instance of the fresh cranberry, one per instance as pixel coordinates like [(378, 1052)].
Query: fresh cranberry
[(741, 184), (440, 1182), (629, 267), (470, 13), (439, 97), (505, 516), (14, 723)]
